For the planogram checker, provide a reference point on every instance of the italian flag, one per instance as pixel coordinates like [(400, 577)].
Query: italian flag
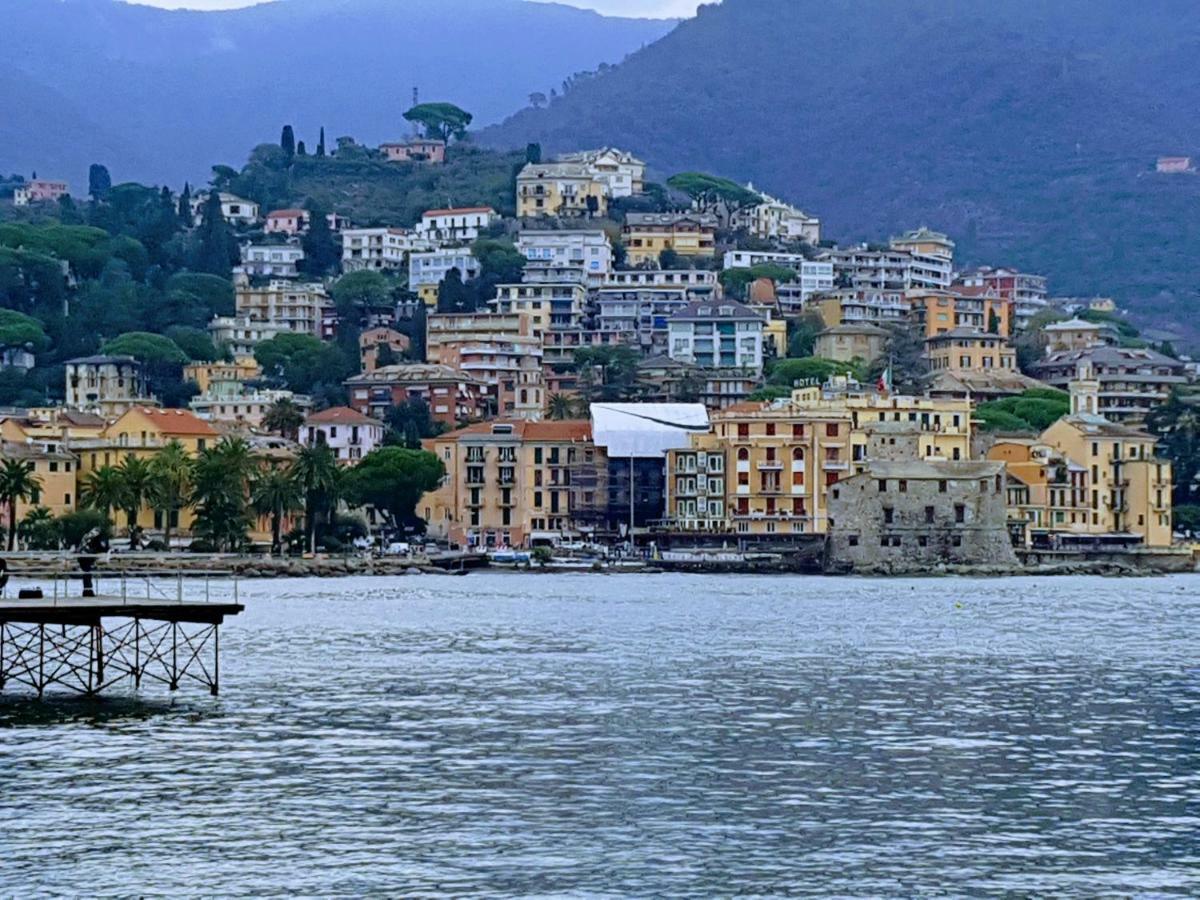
[(884, 385)]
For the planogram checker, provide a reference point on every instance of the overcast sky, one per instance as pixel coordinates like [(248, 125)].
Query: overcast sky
[(660, 8)]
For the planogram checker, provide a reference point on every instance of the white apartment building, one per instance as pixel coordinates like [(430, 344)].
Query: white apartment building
[(379, 248), (298, 307), (241, 334), (347, 432), (717, 335), (931, 258), (445, 226), (271, 260), (698, 282), (589, 250), (621, 173), (236, 210), (243, 406), (427, 269), (775, 220)]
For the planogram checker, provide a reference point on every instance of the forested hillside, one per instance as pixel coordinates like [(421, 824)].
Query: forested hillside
[(160, 95), (1028, 130)]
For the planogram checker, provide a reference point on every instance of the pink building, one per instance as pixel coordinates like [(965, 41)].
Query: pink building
[(39, 191), (415, 150), (1174, 165), (348, 433), (295, 221)]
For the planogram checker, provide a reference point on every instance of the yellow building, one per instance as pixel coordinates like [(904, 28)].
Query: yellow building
[(561, 190), (781, 458), (55, 471), (142, 432), (846, 343), (647, 235), (1047, 491), (969, 350), (508, 483), (1129, 486), (204, 374)]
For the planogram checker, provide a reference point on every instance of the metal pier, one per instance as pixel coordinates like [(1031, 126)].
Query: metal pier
[(88, 643)]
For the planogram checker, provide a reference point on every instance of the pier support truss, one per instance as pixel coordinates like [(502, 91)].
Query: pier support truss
[(88, 658), (88, 644)]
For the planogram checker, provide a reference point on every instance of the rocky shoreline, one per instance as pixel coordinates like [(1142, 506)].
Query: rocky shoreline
[(339, 567)]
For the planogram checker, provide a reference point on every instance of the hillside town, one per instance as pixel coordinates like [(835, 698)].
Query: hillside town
[(683, 368)]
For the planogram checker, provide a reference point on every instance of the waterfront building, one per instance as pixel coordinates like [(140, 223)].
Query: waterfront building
[(347, 432), (451, 396), (561, 190), (647, 235), (106, 385), (1130, 486), (509, 483), (784, 456), (1048, 493), (55, 469)]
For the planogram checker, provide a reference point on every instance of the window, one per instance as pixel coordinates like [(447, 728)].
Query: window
[(942, 485), (831, 430), (889, 515), (852, 540), (903, 486), (960, 513)]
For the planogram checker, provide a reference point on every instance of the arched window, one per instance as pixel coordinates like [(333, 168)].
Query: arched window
[(743, 454), (797, 454)]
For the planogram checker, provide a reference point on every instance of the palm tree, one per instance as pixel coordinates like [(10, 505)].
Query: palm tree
[(17, 483), (561, 406), (39, 530), (284, 418), (138, 480), (275, 492), (170, 484), (315, 470), (103, 489), (220, 478)]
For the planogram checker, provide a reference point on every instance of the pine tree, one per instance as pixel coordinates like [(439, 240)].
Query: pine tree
[(99, 181), (287, 140)]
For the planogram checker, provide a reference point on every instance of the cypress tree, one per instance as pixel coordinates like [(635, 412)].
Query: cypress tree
[(300, 151), (321, 143), (216, 248), (287, 140), (185, 206), (321, 251), (99, 181)]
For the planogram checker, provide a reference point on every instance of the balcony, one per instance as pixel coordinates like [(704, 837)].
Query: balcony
[(835, 465), (770, 465)]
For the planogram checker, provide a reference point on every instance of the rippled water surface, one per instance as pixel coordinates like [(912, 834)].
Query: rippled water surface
[(626, 735)]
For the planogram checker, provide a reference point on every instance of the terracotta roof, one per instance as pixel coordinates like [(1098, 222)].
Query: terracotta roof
[(177, 421), (456, 211), (340, 415), (280, 213)]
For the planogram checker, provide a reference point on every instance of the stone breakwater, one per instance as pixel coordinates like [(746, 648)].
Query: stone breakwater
[(275, 567)]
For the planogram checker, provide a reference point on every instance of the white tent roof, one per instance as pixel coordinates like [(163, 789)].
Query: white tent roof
[(646, 429)]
